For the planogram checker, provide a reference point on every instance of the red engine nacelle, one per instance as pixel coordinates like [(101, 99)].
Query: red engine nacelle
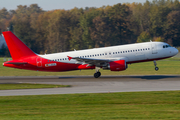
[(119, 65)]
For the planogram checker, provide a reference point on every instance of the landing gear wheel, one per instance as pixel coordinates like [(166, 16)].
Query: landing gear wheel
[(96, 75), (156, 68), (99, 74)]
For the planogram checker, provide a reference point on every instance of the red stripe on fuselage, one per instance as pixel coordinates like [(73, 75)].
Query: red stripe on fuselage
[(46, 65)]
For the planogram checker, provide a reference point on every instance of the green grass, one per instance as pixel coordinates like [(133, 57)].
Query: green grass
[(101, 106), (167, 66), (28, 86)]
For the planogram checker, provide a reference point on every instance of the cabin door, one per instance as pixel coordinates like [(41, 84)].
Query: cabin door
[(39, 61), (154, 49)]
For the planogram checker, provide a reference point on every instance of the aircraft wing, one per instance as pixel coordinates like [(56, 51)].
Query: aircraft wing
[(91, 61)]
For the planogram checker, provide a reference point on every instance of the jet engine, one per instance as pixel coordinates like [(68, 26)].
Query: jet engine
[(119, 65)]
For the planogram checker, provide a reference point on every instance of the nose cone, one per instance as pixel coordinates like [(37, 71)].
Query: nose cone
[(175, 51)]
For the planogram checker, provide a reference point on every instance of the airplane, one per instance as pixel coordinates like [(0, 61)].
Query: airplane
[(114, 58)]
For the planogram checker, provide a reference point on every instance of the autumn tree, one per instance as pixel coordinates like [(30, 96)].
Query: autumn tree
[(22, 24), (172, 30), (158, 18), (86, 21), (119, 18), (144, 37), (101, 32), (76, 30)]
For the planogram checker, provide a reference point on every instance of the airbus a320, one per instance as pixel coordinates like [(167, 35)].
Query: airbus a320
[(114, 58)]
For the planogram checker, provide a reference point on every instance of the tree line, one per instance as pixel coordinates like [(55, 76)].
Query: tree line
[(64, 30)]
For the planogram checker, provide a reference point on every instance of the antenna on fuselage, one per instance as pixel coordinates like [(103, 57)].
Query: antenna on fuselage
[(150, 40)]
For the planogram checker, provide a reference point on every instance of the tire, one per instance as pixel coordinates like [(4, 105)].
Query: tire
[(99, 74), (156, 68), (96, 75)]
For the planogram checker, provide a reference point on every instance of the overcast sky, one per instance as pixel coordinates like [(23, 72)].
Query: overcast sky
[(62, 4)]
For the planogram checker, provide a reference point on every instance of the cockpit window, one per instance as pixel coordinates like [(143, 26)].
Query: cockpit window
[(166, 46)]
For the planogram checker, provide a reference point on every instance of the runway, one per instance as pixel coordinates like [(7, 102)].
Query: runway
[(88, 84)]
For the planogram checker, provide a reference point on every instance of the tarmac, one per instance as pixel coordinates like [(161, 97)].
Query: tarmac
[(89, 84)]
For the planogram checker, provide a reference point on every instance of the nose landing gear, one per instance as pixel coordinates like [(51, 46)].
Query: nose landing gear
[(156, 68)]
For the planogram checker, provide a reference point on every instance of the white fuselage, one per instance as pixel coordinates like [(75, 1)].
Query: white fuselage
[(131, 53)]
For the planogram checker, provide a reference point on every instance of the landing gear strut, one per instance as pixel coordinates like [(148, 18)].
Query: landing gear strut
[(97, 74), (156, 68)]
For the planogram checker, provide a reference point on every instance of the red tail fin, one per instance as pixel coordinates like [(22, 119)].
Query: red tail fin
[(16, 47)]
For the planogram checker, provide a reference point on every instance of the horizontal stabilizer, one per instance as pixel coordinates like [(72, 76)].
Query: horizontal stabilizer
[(16, 63)]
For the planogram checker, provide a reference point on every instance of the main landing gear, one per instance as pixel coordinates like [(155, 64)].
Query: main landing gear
[(156, 68), (97, 74)]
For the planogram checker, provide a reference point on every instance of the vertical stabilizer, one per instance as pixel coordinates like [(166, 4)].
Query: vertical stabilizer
[(16, 47)]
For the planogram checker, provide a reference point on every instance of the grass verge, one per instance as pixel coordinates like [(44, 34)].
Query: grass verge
[(109, 106), (28, 86)]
